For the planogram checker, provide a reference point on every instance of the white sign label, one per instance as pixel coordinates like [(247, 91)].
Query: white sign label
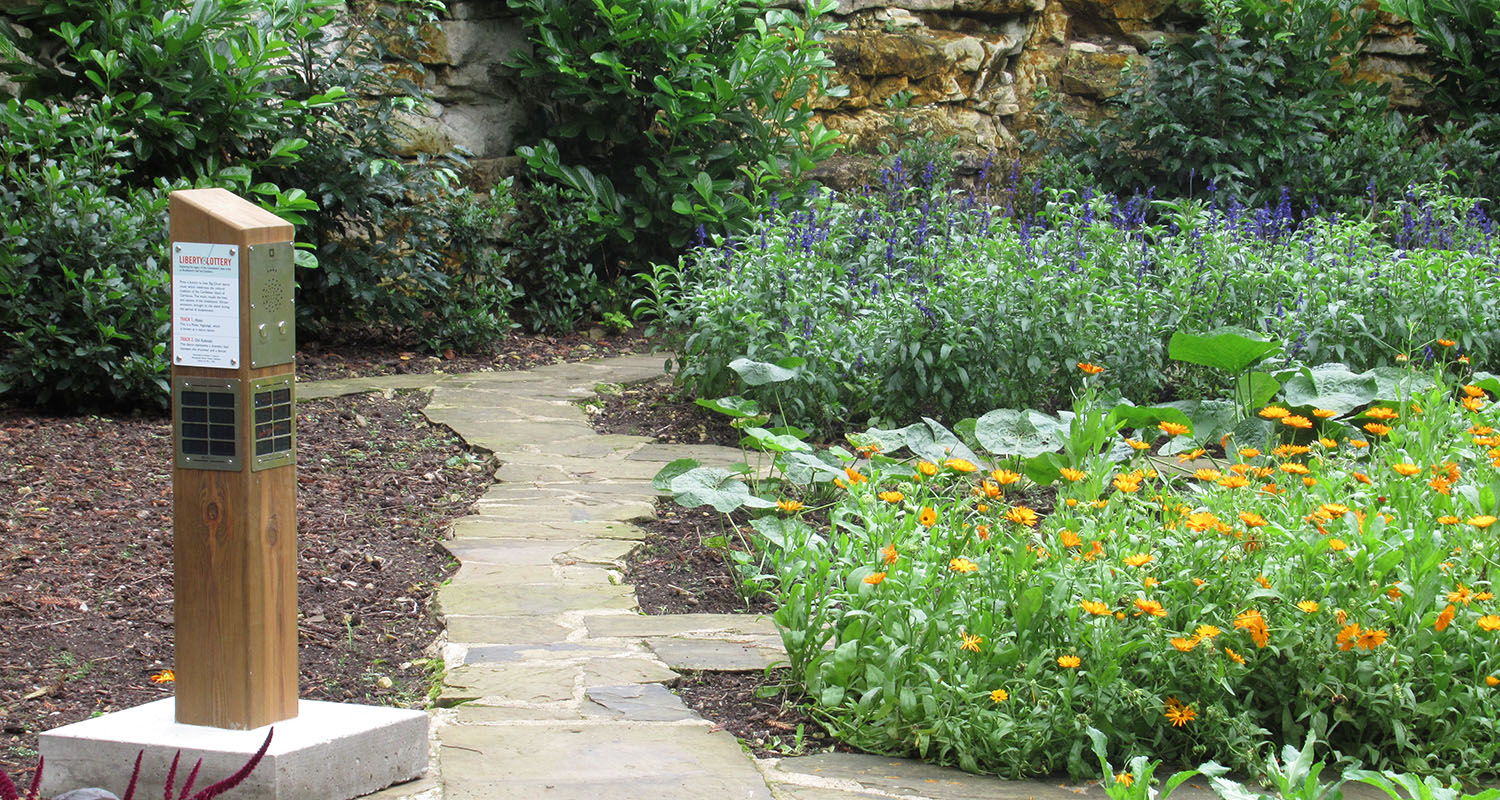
[(205, 305)]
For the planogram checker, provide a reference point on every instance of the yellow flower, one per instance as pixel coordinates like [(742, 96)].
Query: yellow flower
[(888, 554), (1462, 594), (1274, 412), (1289, 450), (1073, 475), (969, 641), (1173, 428), (960, 465), (1021, 515), (1253, 623), (1375, 428), (1448, 519), (789, 506), (1265, 583), (1294, 468), (1206, 474), (1361, 477), (1090, 369), (1297, 421), (1489, 622), (1482, 521), (1234, 482), (1347, 636), (1191, 455), (1323, 413), (1149, 582), (1129, 482), (1180, 715), (1139, 559), (1446, 342), (1333, 510), (1360, 444), (963, 565), (1201, 521), (1249, 452), (1308, 606), (1327, 442), (1149, 607), (1445, 617), (1137, 444), (1069, 662), (1206, 631), (1406, 469), (999, 696), (1491, 680), (927, 517), (854, 476), (1384, 413), (1337, 544), (1094, 607), (1252, 519), (1475, 404), (875, 578), (1005, 476), (1069, 539), (1184, 645), (1125, 778), (165, 676), (1233, 656), (891, 496), (927, 468)]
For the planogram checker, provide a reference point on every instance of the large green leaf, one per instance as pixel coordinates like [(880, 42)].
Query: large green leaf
[(1230, 349), (1258, 388), (662, 481), (734, 406), (758, 373), (1008, 432), (803, 468), (1331, 386), (712, 486), (1394, 383), (1488, 382), (780, 531), (1129, 416), (762, 439), (927, 439)]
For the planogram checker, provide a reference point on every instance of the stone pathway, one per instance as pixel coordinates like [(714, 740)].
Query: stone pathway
[(556, 687)]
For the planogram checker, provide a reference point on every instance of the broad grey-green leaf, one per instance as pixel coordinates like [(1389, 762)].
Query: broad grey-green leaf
[(733, 406), (1394, 383), (662, 481), (1228, 348), (780, 531), (803, 468), (762, 439), (1008, 432), (712, 486), (1146, 416), (1258, 388), (1331, 386), (758, 373)]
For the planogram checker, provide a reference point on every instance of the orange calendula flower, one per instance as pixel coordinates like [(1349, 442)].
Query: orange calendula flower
[(888, 554), (1069, 539), (1475, 404), (1191, 454), (1202, 521), (1462, 594), (1384, 413), (1471, 390), (1139, 559), (1265, 583), (1445, 617), (1294, 468), (960, 465), (1274, 412), (1069, 662), (1005, 477), (983, 531), (999, 696), (1252, 519), (1137, 444), (1234, 481), (963, 565), (1347, 636), (1375, 428), (875, 578), (1173, 428), (854, 476), (1233, 656), (1206, 474), (1333, 510), (1149, 582), (1324, 413), (1308, 606), (1206, 631), (1370, 639), (1125, 779), (1073, 475), (1446, 342), (1128, 482), (1090, 369), (1406, 469), (1482, 521), (1448, 519), (1289, 450), (891, 496), (1483, 596), (1297, 421), (1361, 477), (1491, 681), (1094, 607), (1249, 452), (1489, 622), (1180, 715), (970, 642), (789, 506), (927, 468), (1149, 608), (165, 676), (1184, 645), (1360, 444), (1254, 624), (1337, 544), (927, 517), (1021, 515), (1327, 442)]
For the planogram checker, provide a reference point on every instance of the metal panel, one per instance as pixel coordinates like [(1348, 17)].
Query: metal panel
[(273, 314), (273, 439), (207, 415)]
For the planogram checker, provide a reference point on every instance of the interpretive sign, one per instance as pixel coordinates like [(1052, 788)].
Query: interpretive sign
[(205, 305)]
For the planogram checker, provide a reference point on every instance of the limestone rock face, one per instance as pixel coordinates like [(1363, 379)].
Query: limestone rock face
[(1094, 71)]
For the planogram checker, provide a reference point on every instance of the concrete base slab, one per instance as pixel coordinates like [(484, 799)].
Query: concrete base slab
[(329, 751)]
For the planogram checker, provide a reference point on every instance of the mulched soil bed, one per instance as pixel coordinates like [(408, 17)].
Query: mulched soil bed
[(86, 558), (660, 410), (519, 351)]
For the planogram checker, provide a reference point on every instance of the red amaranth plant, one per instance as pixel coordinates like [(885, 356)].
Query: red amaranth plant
[(8, 788)]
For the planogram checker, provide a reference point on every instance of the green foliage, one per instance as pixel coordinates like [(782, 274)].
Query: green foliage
[(659, 116), (83, 291), (1464, 38), (1260, 98), (950, 308)]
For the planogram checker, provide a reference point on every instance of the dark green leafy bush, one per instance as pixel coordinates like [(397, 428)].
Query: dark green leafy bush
[(658, 116), (1464, 39), (83, 293)]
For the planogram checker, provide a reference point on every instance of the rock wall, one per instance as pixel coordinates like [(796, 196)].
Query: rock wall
[(967, 68)]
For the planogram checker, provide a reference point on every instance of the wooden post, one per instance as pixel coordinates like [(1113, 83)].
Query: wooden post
[(234, 482)]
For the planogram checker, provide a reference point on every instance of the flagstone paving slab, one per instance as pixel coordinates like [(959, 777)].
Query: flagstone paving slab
[(738, 655), (510, 550), (640, 626), (530, 598), (649, 702), (508, 629), (529, 683)]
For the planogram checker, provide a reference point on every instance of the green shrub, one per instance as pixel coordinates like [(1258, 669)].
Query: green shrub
[(1261, 98), (83, 292), (658, 116), (1464, 39)]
